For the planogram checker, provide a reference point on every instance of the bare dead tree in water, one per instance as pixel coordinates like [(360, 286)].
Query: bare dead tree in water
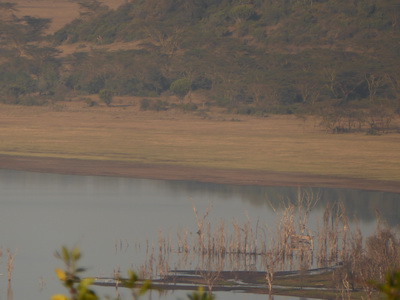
[(10, 269), (183, 243), (323, 239), (306, 201), (286, 229), (10, 264), (333, 237), (117, 279), (200, 225), (292, 238), (344, 254), (271, 260)]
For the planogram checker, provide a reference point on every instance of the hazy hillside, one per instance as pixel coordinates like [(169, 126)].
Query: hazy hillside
[(337, 58)]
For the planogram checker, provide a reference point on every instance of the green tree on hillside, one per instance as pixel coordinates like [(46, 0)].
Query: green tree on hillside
[(241, 13), (181, 87)]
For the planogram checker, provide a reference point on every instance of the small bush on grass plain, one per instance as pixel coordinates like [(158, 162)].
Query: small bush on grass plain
[(106, 96), (154, 105)]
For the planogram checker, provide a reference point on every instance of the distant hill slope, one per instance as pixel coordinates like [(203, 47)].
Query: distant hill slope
[(248, 56)]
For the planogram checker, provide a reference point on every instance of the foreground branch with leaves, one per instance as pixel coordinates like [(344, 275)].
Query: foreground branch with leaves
[(79, 288)]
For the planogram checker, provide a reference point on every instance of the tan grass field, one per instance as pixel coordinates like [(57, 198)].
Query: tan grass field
[(60, 11), (278, 143)]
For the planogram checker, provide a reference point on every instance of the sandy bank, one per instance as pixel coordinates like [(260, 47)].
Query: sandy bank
[(174, 172)]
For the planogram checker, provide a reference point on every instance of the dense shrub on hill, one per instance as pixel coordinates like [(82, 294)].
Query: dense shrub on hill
[(261, 56)]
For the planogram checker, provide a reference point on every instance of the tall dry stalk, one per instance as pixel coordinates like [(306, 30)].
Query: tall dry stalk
[(10, 292), (333, 238), (221, 239), (271, 260), (162, 268), (237, 240), (251, 239), (356, 251), (323, 238), (10, 264), (146, 270), (183, 243), (344, 253), (346, 290), (200, 225), (117, 278), (306, 200), (210, 240), (286, 229)]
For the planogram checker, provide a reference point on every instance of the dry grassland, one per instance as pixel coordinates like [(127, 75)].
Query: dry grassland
[(60, 11), (276, 143)]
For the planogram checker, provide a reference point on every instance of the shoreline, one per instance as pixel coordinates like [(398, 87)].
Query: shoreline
[(188, 173)]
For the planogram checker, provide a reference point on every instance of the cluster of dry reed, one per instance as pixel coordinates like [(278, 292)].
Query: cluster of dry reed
[(291, 246), (368, 259), (10, 269)]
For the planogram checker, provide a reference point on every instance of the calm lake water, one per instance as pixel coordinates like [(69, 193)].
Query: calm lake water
[(113, 220)]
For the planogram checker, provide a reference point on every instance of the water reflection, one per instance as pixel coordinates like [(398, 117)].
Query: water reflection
[(109, 218), (10, 292), (360, 204)]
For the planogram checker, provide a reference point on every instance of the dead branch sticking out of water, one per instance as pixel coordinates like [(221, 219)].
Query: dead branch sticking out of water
[(10, 264)]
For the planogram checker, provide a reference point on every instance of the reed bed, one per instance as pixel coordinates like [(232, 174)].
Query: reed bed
[(292, 245)]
